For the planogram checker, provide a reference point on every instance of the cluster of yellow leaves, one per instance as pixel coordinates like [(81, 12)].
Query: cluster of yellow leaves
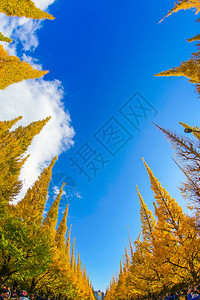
[(189, 69), (13, 70), (13, 145), (195, 38), (5, 39), (184, 4), (23, 8)]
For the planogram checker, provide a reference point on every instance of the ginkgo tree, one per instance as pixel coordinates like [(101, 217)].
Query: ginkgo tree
[(165, 255), (34, 254), (16, 236)]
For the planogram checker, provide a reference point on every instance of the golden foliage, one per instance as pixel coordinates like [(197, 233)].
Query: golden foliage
[(5, 39), (50, 221), (13, 145), (184, 4), (61, 231), (23, 8), (165, 255), (195, 38), (33, 204), (13, 70), (32, 252), (189, 69)]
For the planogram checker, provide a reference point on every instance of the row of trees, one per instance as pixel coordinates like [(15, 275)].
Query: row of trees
[(166, 255), (34, 255)]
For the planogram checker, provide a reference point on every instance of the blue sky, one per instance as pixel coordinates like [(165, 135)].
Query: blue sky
[(104, 52)]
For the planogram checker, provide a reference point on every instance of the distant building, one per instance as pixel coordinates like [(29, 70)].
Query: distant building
[(99, 295)]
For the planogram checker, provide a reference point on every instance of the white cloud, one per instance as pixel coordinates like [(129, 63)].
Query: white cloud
[(20, 30), (25, 32), (35, 99), (43, 4)]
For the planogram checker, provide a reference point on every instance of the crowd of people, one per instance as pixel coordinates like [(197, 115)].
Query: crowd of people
[(193, 293), (7, 294)]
